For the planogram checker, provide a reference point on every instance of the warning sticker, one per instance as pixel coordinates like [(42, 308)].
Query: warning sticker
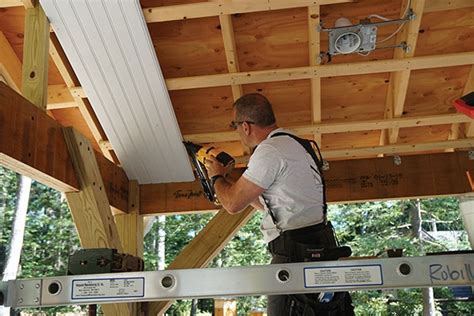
[(108, 288), (359, 275)]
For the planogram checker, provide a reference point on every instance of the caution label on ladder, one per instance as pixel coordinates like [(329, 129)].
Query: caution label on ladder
[(359, 275), (107, 288)]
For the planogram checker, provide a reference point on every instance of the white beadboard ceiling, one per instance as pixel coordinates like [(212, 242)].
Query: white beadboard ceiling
[(108, 44)]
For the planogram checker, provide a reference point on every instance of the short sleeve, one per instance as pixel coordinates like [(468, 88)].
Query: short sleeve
[(264, 166)]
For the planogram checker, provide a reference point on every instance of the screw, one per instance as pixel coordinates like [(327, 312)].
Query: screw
[(22, 286), (20, 300), (37, 285), (36, 300)]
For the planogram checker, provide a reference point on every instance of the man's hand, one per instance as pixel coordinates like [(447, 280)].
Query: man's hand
[(214, 167)]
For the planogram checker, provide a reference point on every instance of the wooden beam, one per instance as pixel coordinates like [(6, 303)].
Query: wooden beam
[(399, 80), (398, 149), (32, 144), (200, 9), (66, 71), (10, 62), (130, 226), (205, 246), (130, 230), (394, 149), (416, 176), (443, 5), (35, 57), (10, 3), (340, 127), (59, 97), (347, 69), (230, 49), (355, 180), (469, 87), (225, 7), (314, 59), (227, 30), (29, 4), (90, 207)]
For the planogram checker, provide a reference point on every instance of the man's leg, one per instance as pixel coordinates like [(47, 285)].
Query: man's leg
[(277, 304)]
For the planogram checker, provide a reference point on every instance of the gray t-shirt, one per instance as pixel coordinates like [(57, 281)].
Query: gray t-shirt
[(293, 191)]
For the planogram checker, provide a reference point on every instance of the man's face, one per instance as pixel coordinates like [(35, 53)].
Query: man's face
[(240, 128)]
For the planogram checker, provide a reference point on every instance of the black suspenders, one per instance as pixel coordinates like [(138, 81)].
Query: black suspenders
[(318, 159)]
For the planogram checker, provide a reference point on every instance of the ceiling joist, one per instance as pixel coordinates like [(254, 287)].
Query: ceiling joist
[(332, 70), (394, 149), (340, 127), (223, 7), (59, 57), (399, 80)]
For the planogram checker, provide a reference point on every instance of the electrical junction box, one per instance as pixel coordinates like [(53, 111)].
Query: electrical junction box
[(358, 38), (466, 104)]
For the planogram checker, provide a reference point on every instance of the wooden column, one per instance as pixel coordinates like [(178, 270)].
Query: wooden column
[(130, 230), (35, 57), (90, 207), (205, 246), (225, 307)]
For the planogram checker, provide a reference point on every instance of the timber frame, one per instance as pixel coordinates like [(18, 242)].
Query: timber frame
[(212, 53)]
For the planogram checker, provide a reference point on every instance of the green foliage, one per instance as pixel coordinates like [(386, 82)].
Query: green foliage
[(372, 227), (50, 234)]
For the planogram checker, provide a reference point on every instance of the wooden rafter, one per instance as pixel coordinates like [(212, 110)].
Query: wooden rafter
[(72, 83), (339, 127), (398, 148), (227, 30), (10, 3), (347, 181), (10, 62), (398, 86), (29, 4), (308, 72), (314, 51), (230, 51), (443, 5), (225, 7), (180, 12), (393, 149)]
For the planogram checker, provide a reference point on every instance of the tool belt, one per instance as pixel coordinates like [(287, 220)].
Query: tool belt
[(312, 243)]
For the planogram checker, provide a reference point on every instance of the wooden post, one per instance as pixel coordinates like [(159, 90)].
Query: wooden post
[(35, 57), (225, 307), (90, 207), (130, 230), (205, 246)]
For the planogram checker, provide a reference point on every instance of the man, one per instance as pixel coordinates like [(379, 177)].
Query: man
[(283, 179)]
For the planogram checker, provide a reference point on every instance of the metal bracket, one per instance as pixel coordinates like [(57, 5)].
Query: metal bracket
[(470, 154), (397, 160), (325, 165)]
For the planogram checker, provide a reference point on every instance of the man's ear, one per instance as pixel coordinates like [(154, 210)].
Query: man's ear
[(246, 127)]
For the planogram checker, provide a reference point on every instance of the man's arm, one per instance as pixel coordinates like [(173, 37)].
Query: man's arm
[(235, 197)]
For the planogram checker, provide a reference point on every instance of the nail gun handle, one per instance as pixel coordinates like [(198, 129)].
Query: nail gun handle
[(225, 159)]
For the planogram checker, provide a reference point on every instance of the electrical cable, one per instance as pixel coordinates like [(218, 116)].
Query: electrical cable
[(398, 29)]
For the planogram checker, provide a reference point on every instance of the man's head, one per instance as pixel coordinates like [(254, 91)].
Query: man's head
[(254, 108), (253, 118)]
